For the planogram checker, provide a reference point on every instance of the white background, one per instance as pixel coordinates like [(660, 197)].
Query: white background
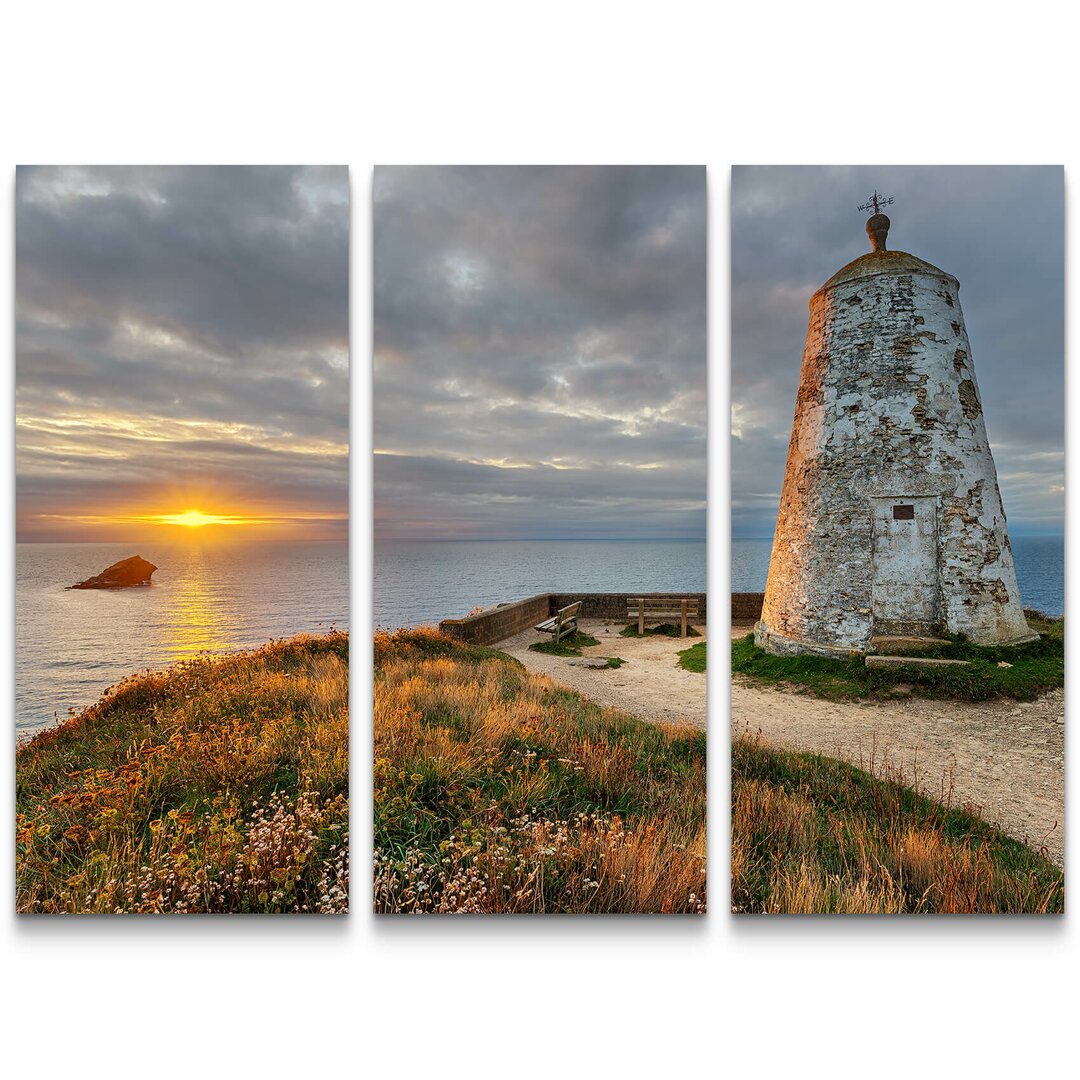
[(460, 82)]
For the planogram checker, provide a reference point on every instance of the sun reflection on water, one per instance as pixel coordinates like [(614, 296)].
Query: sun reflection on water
[(197, 621)]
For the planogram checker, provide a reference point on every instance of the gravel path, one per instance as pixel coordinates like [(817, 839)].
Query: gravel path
[(1006, 758), (650, 685)]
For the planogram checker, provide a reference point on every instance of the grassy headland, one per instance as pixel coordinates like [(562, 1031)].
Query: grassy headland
[(498, 791), (811, 835), (218, 785), (1021, 671)]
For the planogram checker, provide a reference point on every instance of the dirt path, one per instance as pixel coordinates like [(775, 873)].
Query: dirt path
[(1005, 757), (650, 685)]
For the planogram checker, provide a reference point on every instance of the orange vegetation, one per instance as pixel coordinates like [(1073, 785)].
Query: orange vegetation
[(497, 790)]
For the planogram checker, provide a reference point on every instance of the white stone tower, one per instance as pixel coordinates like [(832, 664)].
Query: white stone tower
[(890, 521)]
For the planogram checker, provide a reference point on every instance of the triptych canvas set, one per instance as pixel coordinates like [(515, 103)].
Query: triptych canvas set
[(889, 629)]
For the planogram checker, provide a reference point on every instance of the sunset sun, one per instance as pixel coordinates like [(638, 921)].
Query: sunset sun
[(195, 519)]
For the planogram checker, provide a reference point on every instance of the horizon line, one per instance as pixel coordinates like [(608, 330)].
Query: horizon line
[(538, 539), (244, 540)]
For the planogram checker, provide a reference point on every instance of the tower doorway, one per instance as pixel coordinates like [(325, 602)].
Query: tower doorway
[(906, 592)]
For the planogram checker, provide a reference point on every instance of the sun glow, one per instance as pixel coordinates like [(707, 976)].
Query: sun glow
[(195, 519)]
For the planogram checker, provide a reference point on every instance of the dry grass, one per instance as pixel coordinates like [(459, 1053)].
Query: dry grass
[(496, 790), (218, 785), (812, 835)]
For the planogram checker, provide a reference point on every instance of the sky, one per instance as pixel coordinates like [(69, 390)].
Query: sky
[(540, 352), (181, 345), (998, 229)]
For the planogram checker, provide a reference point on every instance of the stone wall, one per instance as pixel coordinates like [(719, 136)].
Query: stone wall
[(501, 622), (506, 620), (746, 606)]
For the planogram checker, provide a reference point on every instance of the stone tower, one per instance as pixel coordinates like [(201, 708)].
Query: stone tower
[(890, 521)]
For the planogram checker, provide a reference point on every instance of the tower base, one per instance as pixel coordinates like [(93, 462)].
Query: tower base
[(782, 645), (777, 644)]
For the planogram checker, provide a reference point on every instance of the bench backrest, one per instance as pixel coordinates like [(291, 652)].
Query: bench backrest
[(665, 604), (568, 612)]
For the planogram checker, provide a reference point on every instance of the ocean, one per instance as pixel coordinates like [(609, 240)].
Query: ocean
[(421, 582), (206, 597), (1040, 569), (71, 646)]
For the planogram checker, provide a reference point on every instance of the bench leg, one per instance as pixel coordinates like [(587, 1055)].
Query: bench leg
[(684, 618), (641, 617)]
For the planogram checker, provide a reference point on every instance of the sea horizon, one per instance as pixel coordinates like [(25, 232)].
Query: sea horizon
[(540, 540)]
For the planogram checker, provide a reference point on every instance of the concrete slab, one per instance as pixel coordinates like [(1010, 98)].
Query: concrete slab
[(911, 661)]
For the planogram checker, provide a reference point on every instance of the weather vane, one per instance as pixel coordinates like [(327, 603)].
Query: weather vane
[(876, 202)]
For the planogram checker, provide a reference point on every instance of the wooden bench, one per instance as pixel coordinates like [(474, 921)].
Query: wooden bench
[(563, 623), (656, 609)]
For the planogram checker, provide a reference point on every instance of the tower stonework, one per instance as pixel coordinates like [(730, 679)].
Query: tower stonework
[(891, 522)]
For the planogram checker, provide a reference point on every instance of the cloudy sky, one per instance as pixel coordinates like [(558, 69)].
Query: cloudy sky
[(181, 344), (539, 352), (1000, 230)]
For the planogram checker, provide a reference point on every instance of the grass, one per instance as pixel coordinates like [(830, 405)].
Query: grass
[(572, 646), (1031, 670), (219, 785), (497, 790), (811, 834), (662, 630), (693, 659), (568, 646)]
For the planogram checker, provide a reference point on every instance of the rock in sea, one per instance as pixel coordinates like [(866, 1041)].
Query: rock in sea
[(132, 571)]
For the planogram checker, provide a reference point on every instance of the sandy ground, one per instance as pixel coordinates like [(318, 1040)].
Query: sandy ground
[(650, 685), (1004, 757)]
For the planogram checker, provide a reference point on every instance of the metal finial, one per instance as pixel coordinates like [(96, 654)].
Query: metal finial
[(877, 227)]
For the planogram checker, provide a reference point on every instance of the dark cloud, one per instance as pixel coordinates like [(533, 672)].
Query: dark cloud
[(177, 323), (1000, 230), (539, 351)]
